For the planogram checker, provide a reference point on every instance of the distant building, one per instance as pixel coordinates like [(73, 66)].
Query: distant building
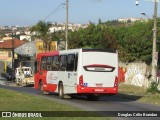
[(40, 46), (25, 37), (125, 20), (7, 45), (56, 28), (6, 50), (61, 27), (6, 38)]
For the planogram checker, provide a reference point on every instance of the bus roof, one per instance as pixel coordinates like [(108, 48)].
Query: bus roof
[(39, 55), (73, 50), (88, 50), (99, 50)]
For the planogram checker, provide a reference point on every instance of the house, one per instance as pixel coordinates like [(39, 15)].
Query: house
[(6, 38), (7, 45), (6, 48), (25, 37)]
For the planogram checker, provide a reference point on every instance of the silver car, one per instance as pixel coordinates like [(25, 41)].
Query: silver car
[(3, 81)]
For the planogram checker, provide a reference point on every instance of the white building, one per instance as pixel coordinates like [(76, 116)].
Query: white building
[(130, 19), (61, 27), (56, 28), (27, 37)]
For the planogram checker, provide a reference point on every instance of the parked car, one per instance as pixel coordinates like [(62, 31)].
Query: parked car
[(3, 81), (9, 76), (4, 75)]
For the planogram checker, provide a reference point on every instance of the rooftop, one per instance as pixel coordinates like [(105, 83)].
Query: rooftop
[(8, 44)]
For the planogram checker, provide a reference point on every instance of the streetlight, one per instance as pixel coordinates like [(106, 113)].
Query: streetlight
[(154, 51), (143, 13)]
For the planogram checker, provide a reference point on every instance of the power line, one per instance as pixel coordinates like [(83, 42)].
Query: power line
[(90, 2), (79, 3), (62, 4)]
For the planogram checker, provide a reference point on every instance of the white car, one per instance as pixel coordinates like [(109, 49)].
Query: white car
[(27, 71), (24, 76)]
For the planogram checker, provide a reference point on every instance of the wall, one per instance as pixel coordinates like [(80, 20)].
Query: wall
[(40, 46), (137, 73)]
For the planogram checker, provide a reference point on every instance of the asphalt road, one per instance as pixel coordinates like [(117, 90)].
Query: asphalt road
[(104, 104)]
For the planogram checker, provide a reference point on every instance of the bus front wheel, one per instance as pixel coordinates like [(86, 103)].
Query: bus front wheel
[(60, 91), (41, 88)]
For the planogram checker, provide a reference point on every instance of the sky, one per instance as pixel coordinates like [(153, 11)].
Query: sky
[(29, 12)]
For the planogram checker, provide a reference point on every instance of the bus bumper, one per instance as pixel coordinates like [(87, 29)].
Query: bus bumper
[(96, 90)]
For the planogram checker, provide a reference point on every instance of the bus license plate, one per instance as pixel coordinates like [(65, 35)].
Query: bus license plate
[(99, 90)]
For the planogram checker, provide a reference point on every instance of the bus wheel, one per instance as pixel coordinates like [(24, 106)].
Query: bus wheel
[(60, 90), (92, 97), (40, 87)]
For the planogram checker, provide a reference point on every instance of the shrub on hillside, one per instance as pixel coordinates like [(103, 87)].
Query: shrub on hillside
[(153, 88)]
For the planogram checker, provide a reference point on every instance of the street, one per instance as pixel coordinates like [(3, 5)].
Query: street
[(113, 103)]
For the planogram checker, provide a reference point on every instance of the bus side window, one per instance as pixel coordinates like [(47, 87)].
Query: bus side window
[(62, 62), (43, 63), (55, 63), (76, 62), (49, 63), (36, 66), (71, 62)]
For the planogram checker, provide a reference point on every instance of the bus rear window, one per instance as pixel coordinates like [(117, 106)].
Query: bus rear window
[(99, 68)]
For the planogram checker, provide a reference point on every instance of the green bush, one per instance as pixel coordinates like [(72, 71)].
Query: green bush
[(153, 88)]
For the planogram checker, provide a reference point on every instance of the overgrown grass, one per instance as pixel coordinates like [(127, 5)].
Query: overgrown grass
[(132, 92), (16, 101)]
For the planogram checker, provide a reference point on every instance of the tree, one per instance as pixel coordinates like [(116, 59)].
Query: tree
[(42, 32), (133, 42)]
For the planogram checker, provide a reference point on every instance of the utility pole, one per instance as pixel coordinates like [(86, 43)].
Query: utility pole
[(154, 51), (12, 53), (66, 24)]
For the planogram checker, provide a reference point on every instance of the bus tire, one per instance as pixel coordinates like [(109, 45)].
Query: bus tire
[(60, 91), (40, 87)]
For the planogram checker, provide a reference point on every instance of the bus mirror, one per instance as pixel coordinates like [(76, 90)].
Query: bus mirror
[(35, 63), (35, 67)]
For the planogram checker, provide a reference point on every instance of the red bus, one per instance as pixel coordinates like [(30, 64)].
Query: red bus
[(77, 71)]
